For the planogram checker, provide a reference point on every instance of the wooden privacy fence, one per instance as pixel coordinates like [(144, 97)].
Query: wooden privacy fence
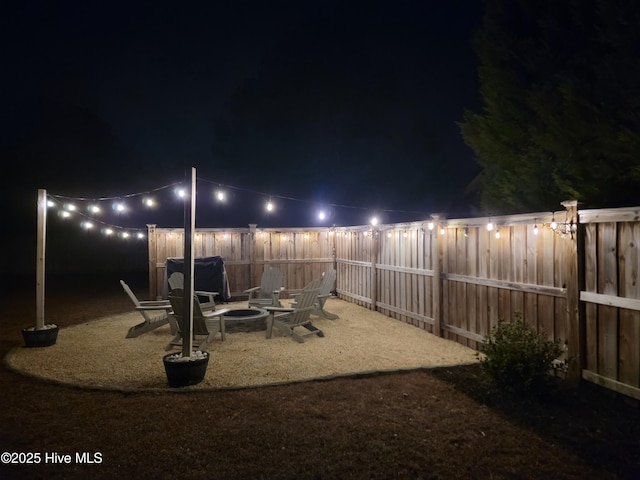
[(571, 274)]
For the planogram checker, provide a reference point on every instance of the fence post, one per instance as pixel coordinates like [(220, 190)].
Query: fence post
[(575, 321), (374, 268), (252, 254), (153, 260), (436, 284)]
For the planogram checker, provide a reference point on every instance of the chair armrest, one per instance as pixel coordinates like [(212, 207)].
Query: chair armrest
[(279, 309), (154, 307), (215, 313), (249, 290), (152, 303), (205, 294)]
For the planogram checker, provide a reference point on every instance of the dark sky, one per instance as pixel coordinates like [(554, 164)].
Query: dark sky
[(351, 104)]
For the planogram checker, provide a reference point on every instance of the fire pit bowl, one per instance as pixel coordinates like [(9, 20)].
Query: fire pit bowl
[(245, 319)]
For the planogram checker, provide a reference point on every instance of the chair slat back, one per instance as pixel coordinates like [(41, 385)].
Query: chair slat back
[(129, 292), (305, 302), (271, 281), (328, 279), (177, 303), (176, 280)]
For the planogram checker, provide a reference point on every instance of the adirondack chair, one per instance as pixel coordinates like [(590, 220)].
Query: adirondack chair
[(328, 279), (206, 324), (268, 293), (162, 308), (176, 281), (287, 319)]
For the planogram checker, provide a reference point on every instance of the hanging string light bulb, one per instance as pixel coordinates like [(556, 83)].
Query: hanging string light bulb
[(269, 207)]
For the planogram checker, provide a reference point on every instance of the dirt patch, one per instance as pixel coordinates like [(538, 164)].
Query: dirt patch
[(445, 423)]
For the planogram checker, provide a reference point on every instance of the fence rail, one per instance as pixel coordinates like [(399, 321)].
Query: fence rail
[(570, 274)]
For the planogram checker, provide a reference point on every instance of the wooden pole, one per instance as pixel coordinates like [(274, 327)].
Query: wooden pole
[(252, 255), (189, 227), (155, 291), (40, 254), (436, 284), (374, 267), (575, 320)]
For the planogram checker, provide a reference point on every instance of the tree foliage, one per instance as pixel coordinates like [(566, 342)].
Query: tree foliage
[(560, 86)]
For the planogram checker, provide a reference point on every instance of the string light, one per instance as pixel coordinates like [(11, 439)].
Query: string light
[(220, 194)]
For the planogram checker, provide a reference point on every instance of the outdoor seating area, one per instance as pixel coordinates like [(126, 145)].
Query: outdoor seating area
[(360, 342)]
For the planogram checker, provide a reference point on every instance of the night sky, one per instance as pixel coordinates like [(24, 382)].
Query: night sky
[(350, 104)]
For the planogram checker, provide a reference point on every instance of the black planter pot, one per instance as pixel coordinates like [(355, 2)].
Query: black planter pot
[(185, 373), (40, 338)]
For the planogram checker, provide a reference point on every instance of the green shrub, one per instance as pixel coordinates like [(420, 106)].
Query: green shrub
[(517, 358)]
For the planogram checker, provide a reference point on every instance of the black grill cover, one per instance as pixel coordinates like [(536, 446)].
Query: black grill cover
[(208, 272)]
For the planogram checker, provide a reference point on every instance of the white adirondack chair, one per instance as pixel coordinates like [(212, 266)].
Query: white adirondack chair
[(328, 280), (268, 293), (287, 319), (162, 308), (176, 281), (206, 324)]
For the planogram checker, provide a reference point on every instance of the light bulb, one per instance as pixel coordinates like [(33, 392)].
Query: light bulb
[(490, 226), (269, 206), (431, 225), (374, 221), (220, 195), (535, 230)]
